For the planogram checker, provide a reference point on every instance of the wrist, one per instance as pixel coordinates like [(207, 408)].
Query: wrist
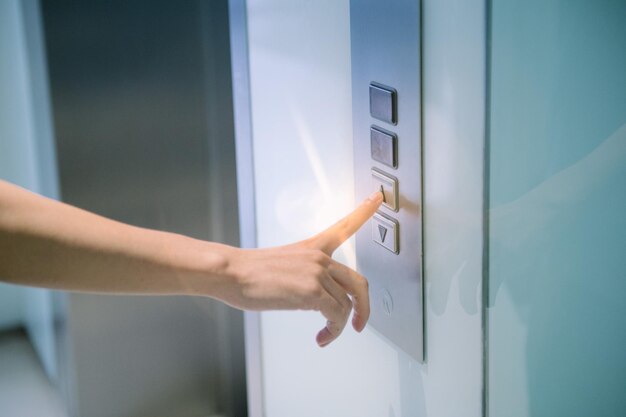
[(209, 269)]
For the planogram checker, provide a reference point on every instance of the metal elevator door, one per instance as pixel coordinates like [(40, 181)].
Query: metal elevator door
[(141, 98)]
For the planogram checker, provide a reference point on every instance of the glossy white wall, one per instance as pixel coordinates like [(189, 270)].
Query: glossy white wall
[(300, 86)]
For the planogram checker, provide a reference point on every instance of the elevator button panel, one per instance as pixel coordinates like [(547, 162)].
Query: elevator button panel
[(386, 124), (383, 147), (388, 185), (385, 232), (383, 103)]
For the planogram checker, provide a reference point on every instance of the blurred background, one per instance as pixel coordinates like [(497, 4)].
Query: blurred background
[(125, 109)]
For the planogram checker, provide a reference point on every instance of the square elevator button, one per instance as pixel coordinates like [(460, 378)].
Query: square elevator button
[(383, 147), (385, 232), (389, 187), (383, 103)]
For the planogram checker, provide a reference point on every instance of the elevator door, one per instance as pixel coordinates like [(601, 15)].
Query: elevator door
[(141, 97)]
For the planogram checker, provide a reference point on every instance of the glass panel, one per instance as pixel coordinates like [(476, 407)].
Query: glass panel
[(557, 209)]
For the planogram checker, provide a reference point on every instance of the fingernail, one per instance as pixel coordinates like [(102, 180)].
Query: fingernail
[(323, 343), (356, 325), (323, 338), (376, 196)]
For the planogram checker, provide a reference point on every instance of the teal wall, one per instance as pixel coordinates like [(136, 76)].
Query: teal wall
[(556, 336)]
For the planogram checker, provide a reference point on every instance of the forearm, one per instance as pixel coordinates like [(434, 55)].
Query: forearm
[(49, 244)]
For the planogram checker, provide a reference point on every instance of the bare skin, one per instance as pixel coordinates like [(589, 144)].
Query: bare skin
[(49, 244)]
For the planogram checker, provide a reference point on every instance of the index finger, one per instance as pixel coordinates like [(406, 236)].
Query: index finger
[(335, 235)]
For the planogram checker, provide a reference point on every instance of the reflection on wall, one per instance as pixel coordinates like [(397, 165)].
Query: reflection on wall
[(556, 336)]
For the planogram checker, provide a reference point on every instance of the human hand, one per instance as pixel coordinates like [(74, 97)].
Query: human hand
[(303, 276)]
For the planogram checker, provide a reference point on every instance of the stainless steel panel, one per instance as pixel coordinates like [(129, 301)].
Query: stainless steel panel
[(385, 42)]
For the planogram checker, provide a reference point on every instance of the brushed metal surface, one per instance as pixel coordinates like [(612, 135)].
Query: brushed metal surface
[(385, 42), (383, 147), (383, 103), (142, 106)]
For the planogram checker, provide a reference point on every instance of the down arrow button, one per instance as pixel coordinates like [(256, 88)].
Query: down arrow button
[(383, 232)]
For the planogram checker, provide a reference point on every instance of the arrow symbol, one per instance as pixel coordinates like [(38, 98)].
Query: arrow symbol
[(383, 232)]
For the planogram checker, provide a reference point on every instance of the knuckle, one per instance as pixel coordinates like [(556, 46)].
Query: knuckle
[(317, 272), (363, 283), (320, 258), (344, 310), (347, 305), (335, 330), (314, 289), (336, 310)]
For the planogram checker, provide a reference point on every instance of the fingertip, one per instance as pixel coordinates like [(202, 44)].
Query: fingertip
[(324, 337), (359, 327), (358, 323), (364, 322), (376, 197)]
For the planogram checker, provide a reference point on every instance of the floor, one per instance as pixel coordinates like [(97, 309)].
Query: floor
[(25, 390)]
